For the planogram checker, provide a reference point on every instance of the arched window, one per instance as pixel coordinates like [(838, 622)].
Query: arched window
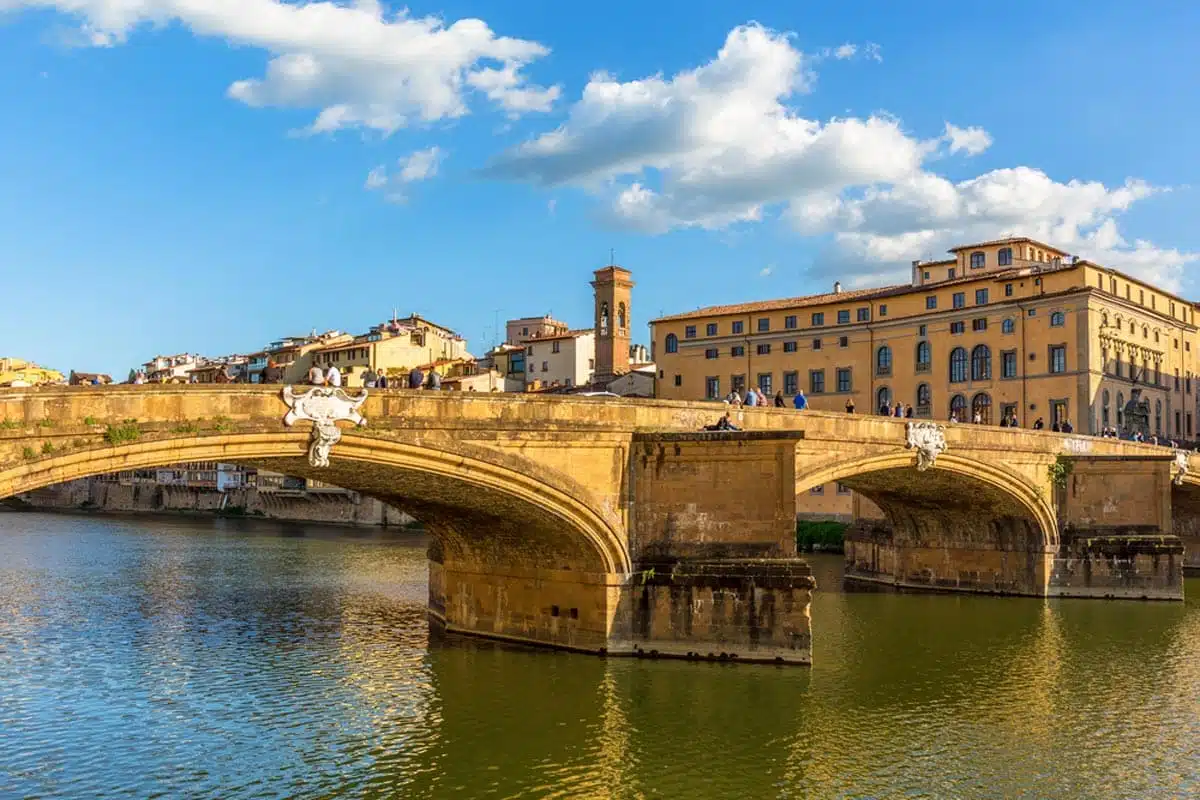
[(604, 319), (958, 365), (958, 408), (981, 363), (883, 398), (978, 260), (1057, 319), (924, 356), (924, 400), (1132, 327), (1120, 409), (883, 361), (1145, 331), (672, 343), (620, 316), (1158, 417), (982, 405), (1008, 326), (1104, 320), (1104, 410)]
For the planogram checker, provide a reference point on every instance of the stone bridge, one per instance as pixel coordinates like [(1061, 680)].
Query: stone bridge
[(617, 526)]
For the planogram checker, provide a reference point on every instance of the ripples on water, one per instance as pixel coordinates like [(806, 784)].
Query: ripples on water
[(218, 659)]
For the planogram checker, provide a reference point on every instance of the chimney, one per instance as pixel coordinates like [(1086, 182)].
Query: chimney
[(837, 287), (916, 273)]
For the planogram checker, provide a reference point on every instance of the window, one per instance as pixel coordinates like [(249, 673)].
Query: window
[(689, 332), (843, 380), (921, 331), (883, 399), (791, 383), (924, 357), (951, 274), (1141, 297), (864, 315), (978, 260), (738, 326), (737, 351), (764, 383), (883, 310), (981, 363), (816, 381), (843, 341), (1158, 417), (712, 387), (1058, 411), (789, 347), (711, 353), (1058, 358), (1104, 409), (1032, 312), (817, 490), (764, 324), (843, 317), (554, 347), (958, 327), (545, 367), (738, 383), (816, 344), (979, 325), (931, 302), (1008, 290), (818, 319), (790, 322), (764, 349), (842, 488), (672, 344), (710, 329), (1008, 363), (981, 297), (981, 405), (679, 380), (959, 300), (883, 361), (958, 365), (1121, 411), (958, 408), (924, 400), (1004, 257), (926, 276), (1057, 319), (1008, 326)]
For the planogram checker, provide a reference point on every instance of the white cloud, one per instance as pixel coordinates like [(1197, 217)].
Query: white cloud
[(845, 51), (971, 141), (358, 64), (552, 205), (766, 271), (722, 145), (873, 52), (420, 165)]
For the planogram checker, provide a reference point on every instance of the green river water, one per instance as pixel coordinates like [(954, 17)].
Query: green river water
[(227, 659)]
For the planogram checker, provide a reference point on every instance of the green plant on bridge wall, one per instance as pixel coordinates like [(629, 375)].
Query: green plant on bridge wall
[(9, 424), (820, 535), (125, 432), (28, 453), (47, 448), (1060, 471)]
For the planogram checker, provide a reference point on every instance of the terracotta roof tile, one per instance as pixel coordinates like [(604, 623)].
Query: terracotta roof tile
[(786, 303)]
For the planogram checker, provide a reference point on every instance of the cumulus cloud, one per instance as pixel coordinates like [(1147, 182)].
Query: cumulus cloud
[(723, 144), (420, 165), (766, 271), (361, 66), (971, 141)]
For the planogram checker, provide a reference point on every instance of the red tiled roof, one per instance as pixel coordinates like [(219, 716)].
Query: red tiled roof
[(575, 334), (1008, 240)]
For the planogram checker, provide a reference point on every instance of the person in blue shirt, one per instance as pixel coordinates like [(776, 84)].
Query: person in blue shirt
[(801, 402)]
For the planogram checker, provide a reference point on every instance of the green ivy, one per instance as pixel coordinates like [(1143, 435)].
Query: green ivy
[(118, 434), (1060, 470)]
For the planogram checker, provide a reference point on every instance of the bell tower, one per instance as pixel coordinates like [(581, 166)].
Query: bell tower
[(612, 288)]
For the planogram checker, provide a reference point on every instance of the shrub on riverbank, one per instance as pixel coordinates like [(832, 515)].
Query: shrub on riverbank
[(824, 536)]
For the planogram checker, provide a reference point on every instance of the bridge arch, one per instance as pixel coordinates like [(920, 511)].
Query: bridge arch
[(481, 506), (962, 524)]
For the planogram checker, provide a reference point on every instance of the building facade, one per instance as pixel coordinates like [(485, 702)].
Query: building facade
[(520, 330), (395, 347), (1012, 326), (563, 360), (18, 372)]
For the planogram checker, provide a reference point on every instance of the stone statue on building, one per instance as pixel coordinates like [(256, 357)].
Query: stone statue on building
[(1137, 415)]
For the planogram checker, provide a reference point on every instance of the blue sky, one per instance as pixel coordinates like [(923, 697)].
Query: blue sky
[(178, 175)]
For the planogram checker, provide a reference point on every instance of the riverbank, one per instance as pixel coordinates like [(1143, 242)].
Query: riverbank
[(324, 507)]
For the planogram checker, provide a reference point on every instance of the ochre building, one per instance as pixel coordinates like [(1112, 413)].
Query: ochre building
[(1011, 326)]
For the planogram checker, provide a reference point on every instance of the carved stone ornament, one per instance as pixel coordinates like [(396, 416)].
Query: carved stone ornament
[(928, 439), (1182, 462), (323, 407)]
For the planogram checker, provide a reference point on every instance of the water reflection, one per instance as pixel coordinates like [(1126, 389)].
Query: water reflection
[(228, 660)]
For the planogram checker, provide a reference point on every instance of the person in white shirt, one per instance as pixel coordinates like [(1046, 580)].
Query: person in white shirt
[(333, 377), (315, 376)]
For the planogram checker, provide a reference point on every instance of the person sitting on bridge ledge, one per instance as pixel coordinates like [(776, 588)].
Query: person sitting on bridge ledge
[(801, 402), (1038, 424), (381, 378), (1067, 427), (416, 378), (849, 404), (333, 377), (435, 381), (751, 399), (779, 399), (723, 424), (316, 376)]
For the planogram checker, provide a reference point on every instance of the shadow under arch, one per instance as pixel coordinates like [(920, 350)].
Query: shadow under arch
[(479, 508), (962, 524)]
